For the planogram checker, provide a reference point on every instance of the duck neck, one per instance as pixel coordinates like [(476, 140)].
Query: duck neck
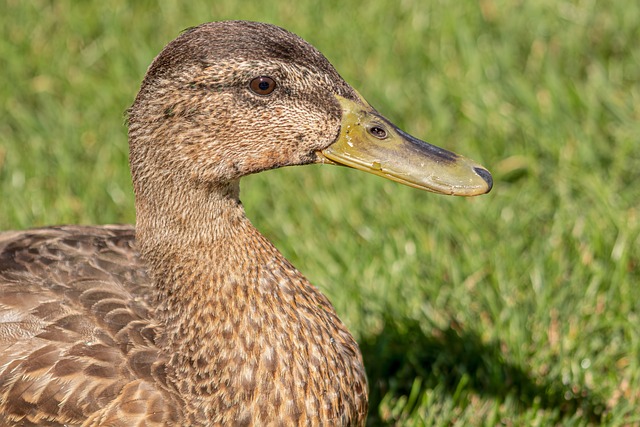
[(195, 244), (242, 329)]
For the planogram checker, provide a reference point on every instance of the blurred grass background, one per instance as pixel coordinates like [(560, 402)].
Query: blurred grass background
[(521, 307)]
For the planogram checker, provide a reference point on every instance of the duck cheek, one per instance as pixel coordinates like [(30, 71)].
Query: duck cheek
[(319, 131)]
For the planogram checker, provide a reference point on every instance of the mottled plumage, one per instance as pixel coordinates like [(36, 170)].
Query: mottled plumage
[(194, 318), (75, 327)]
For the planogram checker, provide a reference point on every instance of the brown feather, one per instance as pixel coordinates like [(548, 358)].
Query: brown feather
[(194, 319)]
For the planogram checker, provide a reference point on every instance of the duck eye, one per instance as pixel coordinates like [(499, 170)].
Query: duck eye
[(262, 85)]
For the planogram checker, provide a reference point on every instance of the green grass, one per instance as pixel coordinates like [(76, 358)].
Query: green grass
[(517, 308)]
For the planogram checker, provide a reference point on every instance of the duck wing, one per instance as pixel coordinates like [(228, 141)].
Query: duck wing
[(77, 343)]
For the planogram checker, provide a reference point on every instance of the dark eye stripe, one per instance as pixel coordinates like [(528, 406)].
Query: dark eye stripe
[(262, 85)]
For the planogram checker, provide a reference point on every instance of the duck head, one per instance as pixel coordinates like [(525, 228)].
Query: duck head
[(228, 99)]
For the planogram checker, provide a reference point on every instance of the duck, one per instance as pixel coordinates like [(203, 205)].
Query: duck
[(192, 317)]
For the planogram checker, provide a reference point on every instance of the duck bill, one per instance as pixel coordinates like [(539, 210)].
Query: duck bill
[(371, 143)]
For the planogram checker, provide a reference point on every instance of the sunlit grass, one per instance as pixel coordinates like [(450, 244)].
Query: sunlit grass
[(516, 308)]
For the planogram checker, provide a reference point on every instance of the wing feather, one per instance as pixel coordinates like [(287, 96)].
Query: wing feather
[(77, 346)]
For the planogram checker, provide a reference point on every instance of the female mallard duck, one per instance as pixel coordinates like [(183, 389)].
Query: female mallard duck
[(195, 318)]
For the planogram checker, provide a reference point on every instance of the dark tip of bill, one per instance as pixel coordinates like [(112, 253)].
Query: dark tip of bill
[(484, 174)]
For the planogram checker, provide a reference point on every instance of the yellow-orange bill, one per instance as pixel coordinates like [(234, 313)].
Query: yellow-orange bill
[(371, 143)]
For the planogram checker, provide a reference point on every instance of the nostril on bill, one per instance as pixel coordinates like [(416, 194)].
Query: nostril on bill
[(484, 174)]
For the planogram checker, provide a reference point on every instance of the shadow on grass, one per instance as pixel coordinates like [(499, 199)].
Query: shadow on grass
[(402, 352)]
